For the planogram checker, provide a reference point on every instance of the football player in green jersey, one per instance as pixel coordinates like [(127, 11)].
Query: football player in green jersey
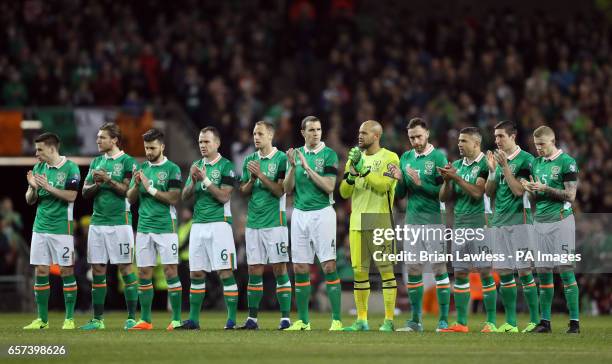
[(512, 228), (464, 181), (156, 184), (110, 234), (553, 188), (311, 177), (266, 235), (420, 182), (52, 184), (211, 241)]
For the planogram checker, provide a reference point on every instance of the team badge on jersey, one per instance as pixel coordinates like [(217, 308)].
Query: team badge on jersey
[(215, 176), (117, 169), (512, 168), (555, 171), (162, 177), (61, 178), (319, 162), (271, 169), (429, 166), (475, 171)]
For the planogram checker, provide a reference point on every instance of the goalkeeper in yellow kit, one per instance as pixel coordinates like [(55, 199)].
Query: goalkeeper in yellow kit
[(369, 183)]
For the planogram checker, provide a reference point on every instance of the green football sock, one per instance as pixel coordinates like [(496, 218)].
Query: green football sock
[(443, 295), (130, 284), (70, 295), (415, 292), (197, 292), (302, 295), (283, 294), (334, 293), (175, 296), (98, 295), (462, 299), (145, 296), (254, 294), (41, 293), (230, 295), (508, 293), (489, 292), (570, 290), (530, 291), (547, 292)]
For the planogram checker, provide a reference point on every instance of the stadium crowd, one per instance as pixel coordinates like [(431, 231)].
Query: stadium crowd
[(231, 64)]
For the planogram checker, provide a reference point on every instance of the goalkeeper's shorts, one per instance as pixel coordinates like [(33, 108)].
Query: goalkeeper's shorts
[(363, 251)]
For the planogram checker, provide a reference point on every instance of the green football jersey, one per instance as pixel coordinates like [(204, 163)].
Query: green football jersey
[(207, 208), (110, 208), (511, 209), (308, 196), (470, 212), (553, 172), (155, 216), (266, 210), (53, 215), (423, 201)]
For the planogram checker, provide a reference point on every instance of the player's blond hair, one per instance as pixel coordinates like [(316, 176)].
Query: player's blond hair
[(544, 131)]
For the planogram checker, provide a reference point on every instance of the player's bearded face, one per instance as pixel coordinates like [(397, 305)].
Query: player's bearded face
[(418, 137), (467, 145), (153, 150), (366, 138)]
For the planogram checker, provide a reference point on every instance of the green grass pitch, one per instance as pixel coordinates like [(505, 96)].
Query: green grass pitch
[(213, 345)]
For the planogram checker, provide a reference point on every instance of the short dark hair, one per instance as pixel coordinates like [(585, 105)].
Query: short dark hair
[(49, 139), (268, 125), (309, 119), (153, 135), (414, 122), (211, 129), (112, 129), (473, 131), (508, 126)]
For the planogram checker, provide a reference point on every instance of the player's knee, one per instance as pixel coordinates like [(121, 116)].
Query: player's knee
[(170, 270), (279, 269), (329, 266), (415, 269), (225, 273), (463, 274), (438, 268), (125, 269), (256, 269), (302, 268), (99, 269), (66, 271), (145, 272), (545, 270), (199, 274), (42, 270)]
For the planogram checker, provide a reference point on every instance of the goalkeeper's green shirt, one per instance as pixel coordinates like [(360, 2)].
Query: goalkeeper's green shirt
[(110, 208), (155, 216), (553, 172), (423, 205), (373, 192)]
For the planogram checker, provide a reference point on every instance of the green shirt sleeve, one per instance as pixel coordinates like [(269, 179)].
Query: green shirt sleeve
[(246, 175), (331, 164), (74, 178), (228, 176), (569, 170), (89, 176), (282, 167), (175, 180), (128, 168)]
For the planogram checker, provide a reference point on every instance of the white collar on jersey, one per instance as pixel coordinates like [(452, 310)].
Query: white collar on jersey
[(119, 154), (160, 163), (465, 163), (514, 154), (554, 156), (315, 150), (58, 165), (428, 149), (269, 156), (212, 162)]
